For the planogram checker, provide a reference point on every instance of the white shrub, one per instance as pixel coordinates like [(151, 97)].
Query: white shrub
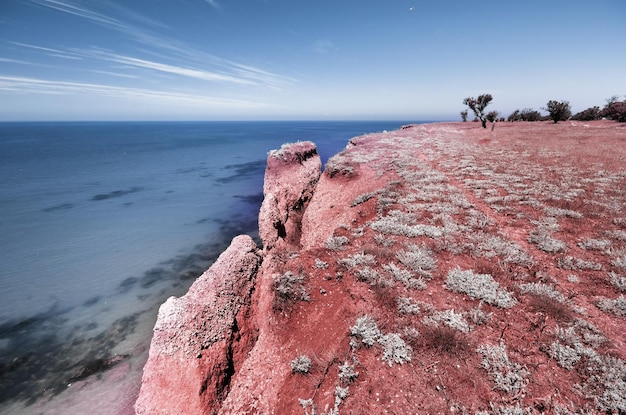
[(539, 288), (301, 364), (546, 242), (395, 350), (406, 305), (450, 319), (366, 330), (479, 286), (595, 244), (336, 243), (405, 277), (618, 281), (418, 259), (357, 259), (508, 376)]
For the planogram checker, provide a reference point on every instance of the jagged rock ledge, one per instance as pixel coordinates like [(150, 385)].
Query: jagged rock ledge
[(203, 338)]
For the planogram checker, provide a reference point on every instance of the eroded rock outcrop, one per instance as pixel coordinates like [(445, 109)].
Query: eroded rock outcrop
[(202, 337), (291, 175)]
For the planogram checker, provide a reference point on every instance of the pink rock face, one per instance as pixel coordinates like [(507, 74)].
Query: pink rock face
[(199, 337), (291, 175)]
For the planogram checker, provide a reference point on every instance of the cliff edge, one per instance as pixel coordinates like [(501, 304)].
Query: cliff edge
[(440, 268)]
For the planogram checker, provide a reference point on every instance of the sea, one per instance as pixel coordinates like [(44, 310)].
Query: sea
[(101, 222)]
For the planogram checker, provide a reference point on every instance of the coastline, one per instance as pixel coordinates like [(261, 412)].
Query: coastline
[(358, 198), (103, 326)]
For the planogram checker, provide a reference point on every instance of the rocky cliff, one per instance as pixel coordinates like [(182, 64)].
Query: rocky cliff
[(439, 268)]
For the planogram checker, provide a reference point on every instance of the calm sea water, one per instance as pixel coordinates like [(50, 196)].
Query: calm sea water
[(99, 224)]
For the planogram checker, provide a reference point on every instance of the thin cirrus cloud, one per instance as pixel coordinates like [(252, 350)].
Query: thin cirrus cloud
[(228, 72), (213, 4), (178, 70), (214, 69), (49, 51), (44, 86), (74, 9)]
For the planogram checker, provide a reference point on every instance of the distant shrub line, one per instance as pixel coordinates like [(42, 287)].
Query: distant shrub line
[(557, 111)]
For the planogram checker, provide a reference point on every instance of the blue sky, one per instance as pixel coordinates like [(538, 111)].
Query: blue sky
[(303, 59)]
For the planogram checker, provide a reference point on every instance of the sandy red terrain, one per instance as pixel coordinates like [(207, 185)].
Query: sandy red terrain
[(443, 268)]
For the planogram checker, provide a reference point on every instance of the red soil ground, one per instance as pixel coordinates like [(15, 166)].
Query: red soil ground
[(441, 268), (566, 181)]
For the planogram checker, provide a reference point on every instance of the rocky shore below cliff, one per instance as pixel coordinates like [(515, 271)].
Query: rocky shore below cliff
[(439, 268)]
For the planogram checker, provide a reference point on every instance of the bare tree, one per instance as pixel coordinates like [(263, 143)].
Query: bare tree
[(478, 106)]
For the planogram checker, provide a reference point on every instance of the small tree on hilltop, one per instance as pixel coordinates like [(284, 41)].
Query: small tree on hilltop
[(515, 116), (590, 114), (558, 110), (492, 116), (529, 114), (478, 106), (614, 109), (464, 116)]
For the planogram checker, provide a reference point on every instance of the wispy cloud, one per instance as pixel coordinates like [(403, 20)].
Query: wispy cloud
[(27, 85), (9, 60), (76, 10), (213, 4), (197, 64), (121, 75), (179, 70), (50, 51)]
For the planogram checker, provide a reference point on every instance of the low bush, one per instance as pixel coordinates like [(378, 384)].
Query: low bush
[(508, 376), (407, 305), (618, 281), (546, 242), (617, 306), (339, 165), (347, 374), (451, 319), (395, 350), (337, 243), (418, 259), (320, 264), (590, 114), (569, 348), (571, 263), (478, 316), (527, 114), (301, 364), (543, 290), (606, 384), (404, 276), (620, 261), (357, 259), (367, 274), (615, 111), (288, 289), (446, 340), (479, 286), (595, 244), (365, 331), (551, 307)]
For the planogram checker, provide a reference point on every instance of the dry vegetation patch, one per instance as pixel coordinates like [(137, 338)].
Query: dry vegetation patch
[(503, 251)]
